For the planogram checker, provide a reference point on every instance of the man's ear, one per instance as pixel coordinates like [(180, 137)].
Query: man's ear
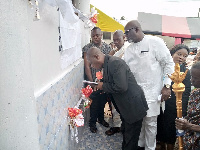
[(96, 56), (124, 37)]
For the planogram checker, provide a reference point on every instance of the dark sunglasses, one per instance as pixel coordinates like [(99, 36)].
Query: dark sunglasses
[(127, 31)]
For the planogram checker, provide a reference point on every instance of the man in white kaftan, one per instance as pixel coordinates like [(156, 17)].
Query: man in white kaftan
[(150, 61)]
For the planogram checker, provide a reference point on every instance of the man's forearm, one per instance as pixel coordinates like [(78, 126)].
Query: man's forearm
[(88, 74), (194, 127)]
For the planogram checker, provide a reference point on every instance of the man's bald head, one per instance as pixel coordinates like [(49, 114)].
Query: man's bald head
[(118, 38), (95, 57), (119, 33), (93, 51), (134, 24), (133, 31)]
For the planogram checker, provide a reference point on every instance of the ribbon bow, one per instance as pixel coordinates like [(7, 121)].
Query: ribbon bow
[(87, 91), (94, 18), (73, 112)]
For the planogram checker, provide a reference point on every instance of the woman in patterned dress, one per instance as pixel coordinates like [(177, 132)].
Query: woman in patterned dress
[(191, 123)]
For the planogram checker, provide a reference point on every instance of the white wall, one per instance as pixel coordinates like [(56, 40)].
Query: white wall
[(30, 65), (44, 45), (84, 7), (45, 55), (55, 89), (18, 124)]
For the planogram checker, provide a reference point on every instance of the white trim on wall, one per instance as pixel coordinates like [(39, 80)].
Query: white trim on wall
[(59, 77)]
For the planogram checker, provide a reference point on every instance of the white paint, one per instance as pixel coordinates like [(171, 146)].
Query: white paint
[(30, 64), (18, 124), (44, 45), (45, 55), (60, 76), (83, 6)]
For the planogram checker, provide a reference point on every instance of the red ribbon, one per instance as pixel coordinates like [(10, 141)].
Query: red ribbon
[(87, 91), (94, 18), (73, 112)]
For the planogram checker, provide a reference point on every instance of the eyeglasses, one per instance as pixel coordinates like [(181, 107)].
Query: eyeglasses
[(127, 31)]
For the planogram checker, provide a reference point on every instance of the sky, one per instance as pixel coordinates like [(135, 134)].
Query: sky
[(130, 8)]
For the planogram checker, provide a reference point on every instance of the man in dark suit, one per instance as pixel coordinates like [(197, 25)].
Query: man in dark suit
[(128, 97)]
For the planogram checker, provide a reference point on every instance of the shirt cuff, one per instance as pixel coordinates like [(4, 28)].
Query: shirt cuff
[(167, 80)]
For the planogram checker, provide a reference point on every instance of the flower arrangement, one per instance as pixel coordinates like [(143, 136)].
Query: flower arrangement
[(86, 93), (92, 18), (76, 117), (93, 15)]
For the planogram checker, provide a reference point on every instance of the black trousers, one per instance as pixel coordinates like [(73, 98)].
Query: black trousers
[(99, 100), (131, 132), (166, 128)]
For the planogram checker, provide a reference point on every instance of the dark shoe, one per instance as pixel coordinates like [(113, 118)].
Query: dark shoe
[(140, 148), (93, 129), (112, 131), (104, 123)]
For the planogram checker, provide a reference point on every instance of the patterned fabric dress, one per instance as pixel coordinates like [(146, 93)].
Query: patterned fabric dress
[(192, 139)]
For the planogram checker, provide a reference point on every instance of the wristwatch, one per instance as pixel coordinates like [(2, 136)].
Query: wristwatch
[(167, 86)]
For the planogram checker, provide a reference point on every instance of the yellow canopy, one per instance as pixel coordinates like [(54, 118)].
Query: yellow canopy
[(106, 23)]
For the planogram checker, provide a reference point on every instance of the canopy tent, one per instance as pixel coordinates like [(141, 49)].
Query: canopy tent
[(179, 27), (106, 23)]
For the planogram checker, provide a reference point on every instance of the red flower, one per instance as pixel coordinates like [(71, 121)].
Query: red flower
[(99, 75), (94, 18), (73, 112), (87, 91)]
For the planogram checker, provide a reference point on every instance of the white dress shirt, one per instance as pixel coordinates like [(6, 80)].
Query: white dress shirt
[(150, 61), (120, 52)]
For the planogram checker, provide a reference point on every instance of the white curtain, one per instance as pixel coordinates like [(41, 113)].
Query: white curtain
[(70, 32)]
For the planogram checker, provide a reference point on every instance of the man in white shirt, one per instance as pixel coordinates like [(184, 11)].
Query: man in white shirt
[(120, 44), (150, 61)]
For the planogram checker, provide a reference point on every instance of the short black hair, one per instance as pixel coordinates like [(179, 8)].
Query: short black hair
[(178, 47), (196, 65), (96, 28)]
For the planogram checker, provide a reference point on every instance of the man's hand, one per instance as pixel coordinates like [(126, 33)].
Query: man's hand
[(94, 88), (166, 94), (99, 86), (182, 124)]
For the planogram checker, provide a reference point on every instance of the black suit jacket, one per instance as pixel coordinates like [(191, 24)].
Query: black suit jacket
[(128, 95)]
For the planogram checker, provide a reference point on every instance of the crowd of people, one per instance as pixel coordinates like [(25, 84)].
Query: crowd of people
[(136, 84)]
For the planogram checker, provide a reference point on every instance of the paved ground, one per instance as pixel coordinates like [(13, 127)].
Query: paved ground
[(99, 140)]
